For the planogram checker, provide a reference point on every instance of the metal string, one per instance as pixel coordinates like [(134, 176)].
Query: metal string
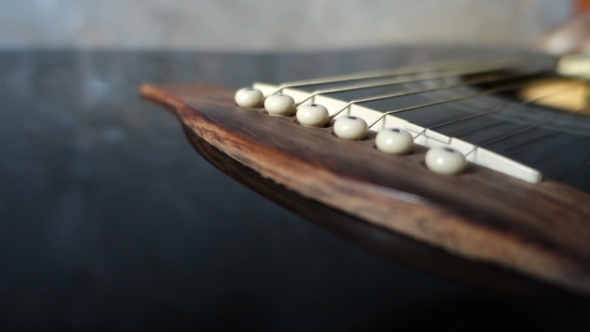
[(404, 79), (503, 107), (471, 95), (423, 90), (523, 130), (444, 101), (413, 69), (434, 72)]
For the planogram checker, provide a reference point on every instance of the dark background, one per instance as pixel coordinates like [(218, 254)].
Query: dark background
[(110, 220)]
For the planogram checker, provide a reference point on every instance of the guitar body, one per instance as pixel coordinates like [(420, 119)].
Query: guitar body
[(480, 225)]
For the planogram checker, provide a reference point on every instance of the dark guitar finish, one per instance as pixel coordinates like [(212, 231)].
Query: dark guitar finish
[(391, 244), (540, 231)]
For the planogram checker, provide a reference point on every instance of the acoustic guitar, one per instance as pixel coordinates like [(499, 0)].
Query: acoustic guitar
[(477, 169), (466, 165)]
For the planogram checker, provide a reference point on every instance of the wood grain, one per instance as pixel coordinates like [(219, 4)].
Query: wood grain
[(401, 249), (539, 230)]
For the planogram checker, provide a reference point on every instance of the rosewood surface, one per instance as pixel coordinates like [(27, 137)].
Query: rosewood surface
[(537, 230)]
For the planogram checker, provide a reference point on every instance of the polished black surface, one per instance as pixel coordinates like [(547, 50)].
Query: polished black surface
[(110, 220)]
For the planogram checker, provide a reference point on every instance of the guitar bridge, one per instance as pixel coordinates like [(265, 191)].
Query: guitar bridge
[(423, 136)]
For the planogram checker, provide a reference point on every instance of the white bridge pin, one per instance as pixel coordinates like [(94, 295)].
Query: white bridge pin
[(312, 115), (279, 105), (445, 160), (394, 141), (249, 97), (350, 127)]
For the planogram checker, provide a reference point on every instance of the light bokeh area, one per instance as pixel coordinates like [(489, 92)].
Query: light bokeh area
[(272, 24)]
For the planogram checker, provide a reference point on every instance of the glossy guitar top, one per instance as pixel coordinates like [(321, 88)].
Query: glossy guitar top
[(537, 230)]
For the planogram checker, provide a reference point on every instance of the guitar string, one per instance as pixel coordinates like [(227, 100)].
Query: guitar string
[(422, 76), (424, 90), (440, 87), (449, 100), (494, 90), (412, 69), (498, 109), (477, 94), (495, 140), (445, 101)]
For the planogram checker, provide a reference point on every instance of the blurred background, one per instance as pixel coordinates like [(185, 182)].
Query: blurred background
[(273, 24)]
